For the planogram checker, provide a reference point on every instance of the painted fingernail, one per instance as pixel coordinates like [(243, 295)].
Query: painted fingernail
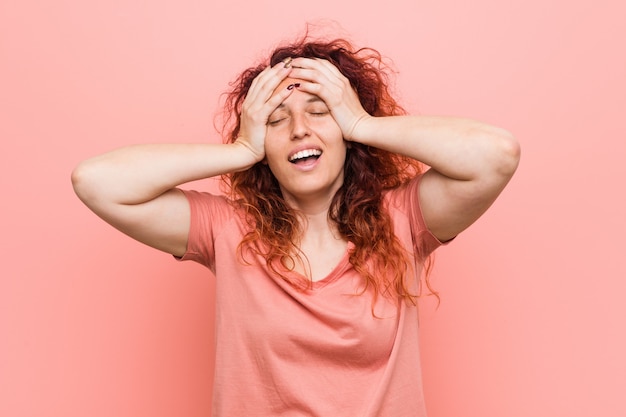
[(287, 61), (296, 85), (291, 86)]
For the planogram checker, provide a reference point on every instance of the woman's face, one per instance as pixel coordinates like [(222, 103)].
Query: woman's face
[(304, 148)]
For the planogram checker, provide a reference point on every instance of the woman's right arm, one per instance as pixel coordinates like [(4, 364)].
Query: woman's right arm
[(134, 188)]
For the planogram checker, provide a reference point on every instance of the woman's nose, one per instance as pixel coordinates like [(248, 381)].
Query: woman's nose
[(300, 127)]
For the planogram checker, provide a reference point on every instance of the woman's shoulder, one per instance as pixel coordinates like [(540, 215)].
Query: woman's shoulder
[(205, 196), (405, 209), (204, 204), (405, 196)]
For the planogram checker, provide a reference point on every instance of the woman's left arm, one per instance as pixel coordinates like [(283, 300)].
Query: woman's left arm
[(470, 164)]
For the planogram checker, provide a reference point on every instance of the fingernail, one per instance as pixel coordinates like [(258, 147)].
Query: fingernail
[(296, 85), (287, 61), (291, 86)]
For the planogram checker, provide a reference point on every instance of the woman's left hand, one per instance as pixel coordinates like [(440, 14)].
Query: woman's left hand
[(323, 79)]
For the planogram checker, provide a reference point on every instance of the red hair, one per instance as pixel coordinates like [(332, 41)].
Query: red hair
[(358, 207)]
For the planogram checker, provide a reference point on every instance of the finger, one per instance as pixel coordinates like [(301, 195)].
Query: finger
[(322, 65), (302, 62), (260, 76), (317, 76), (320, 71), (277, 98), (264, 84), (329, 88), (261, 110), (329, 66)]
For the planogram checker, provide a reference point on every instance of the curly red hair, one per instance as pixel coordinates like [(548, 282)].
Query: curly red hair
[(358, 206)]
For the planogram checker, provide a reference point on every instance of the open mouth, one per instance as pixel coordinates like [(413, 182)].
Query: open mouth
[(305, 155)]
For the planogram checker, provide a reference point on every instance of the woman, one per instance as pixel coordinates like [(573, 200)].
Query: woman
[(319, 244)]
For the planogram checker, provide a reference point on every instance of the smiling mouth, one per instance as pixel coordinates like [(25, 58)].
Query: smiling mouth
[(305, 155)]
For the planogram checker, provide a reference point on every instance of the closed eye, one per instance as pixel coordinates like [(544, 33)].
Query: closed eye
[(275, 121), (318, 108)]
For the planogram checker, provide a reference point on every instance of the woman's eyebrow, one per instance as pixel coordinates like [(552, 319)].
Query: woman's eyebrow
[(279, 107), (312, 99)]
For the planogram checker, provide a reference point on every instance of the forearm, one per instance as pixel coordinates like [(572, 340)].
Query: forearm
[(139, 173), (460, 149)]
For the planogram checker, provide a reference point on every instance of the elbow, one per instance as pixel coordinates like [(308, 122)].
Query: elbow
[(81, 182), (77, 178), (507, 153)]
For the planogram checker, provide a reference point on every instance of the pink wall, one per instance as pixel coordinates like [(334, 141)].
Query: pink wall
[(532, 320)]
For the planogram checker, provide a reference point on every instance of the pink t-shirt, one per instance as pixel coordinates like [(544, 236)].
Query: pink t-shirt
[(283, 351)]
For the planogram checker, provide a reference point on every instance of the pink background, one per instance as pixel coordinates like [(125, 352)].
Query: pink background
[(533, 316)]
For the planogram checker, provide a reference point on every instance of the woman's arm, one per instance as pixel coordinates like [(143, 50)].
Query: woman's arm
[(133, 188), (471, 162)]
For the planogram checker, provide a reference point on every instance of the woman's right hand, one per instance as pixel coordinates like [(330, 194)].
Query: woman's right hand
[(262, 99), (134, 188)]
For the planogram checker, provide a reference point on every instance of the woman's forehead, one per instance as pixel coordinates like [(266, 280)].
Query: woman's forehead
[(285, 83)]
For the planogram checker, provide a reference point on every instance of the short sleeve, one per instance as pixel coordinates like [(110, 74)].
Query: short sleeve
[(208, 214), (405, 201)]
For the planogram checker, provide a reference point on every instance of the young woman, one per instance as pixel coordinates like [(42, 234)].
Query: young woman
[(320, 243)]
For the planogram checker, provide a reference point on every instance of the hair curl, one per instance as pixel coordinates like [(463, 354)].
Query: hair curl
[(358, 206)]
